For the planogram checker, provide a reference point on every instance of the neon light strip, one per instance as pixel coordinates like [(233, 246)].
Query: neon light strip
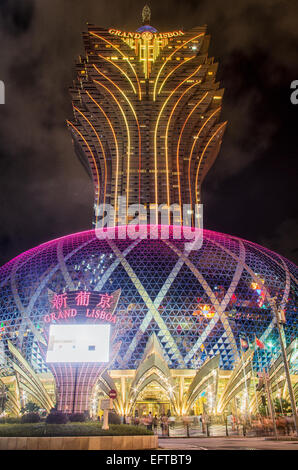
[(91, 382), (93, 158), (72, 385), (119, 68), (62, 394), (192, 149), (128, 134), (166, 139), (178, 146), (155, 140), (203, 153), (83, 386), (116, 146), (125, 58), (172, 71), (83, 369), (139, 133), (103, 152), (168, 58), (66, 393)]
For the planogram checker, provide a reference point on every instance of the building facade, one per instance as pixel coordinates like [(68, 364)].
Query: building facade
[(146, 116), (176, 314), (147, 127)]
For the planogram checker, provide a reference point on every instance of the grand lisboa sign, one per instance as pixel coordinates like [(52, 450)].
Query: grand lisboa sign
[(145, 35)]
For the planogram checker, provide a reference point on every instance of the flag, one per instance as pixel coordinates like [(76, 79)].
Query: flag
[(282, 316), (243, 343), (260, 344)]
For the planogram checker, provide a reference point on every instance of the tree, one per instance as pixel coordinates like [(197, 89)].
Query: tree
[(263, 410), (30, 407), (3, 397), (281, 405)]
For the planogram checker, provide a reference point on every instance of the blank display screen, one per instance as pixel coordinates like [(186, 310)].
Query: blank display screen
[(79, 343)]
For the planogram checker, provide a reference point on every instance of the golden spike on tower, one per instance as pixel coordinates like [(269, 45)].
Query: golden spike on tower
[(146, 14)]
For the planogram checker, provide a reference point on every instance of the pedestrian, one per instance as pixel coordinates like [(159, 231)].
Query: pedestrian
[(150, 420), (234, 422), (200, 422), (165, 424), (155, 424)]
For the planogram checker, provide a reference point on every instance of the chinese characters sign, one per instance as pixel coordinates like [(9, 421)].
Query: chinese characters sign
[(81, 306)]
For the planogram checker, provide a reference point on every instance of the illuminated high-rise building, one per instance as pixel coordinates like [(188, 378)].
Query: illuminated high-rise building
[(147, 126), (147, 115)]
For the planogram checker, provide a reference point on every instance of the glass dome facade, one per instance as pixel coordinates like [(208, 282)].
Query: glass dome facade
[(198, 303)]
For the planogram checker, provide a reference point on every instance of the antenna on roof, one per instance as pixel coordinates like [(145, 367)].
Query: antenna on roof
[(146, 14)]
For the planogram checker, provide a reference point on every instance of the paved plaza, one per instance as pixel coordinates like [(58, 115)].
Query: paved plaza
[(226, 443)]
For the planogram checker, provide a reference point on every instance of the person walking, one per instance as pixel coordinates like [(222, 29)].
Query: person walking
[(155, 424), (165, 425), (150, 420)]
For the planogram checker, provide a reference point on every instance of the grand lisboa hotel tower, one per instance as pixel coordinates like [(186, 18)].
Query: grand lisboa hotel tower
[(190, 329)]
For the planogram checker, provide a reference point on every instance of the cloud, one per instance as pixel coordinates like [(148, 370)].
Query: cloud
[(284, 239)]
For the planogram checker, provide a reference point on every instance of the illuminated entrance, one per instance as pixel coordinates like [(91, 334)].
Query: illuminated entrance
[(153, 398)]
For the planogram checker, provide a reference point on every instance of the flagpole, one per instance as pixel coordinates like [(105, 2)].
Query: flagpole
[(254, 375), (258, 360), (281, 333), (270, 404), (244, 375), (276, 380)]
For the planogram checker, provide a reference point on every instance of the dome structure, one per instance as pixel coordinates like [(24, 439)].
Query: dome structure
[(197, 303)]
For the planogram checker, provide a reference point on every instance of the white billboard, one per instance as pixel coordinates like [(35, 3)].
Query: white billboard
[(79, 343)]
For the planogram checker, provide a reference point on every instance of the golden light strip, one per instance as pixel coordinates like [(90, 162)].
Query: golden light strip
[(94, 161), (103, 152), (192, 149), (138, 126), (172, 71), (116, 147), (203, 153), (125, 58), (120, 69), (128, 136), (169, 58), (155, 139), (166, 140), (178, 145)]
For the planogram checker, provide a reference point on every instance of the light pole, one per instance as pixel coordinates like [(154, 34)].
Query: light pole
[(271, 347), (279, 323), (269, 399)]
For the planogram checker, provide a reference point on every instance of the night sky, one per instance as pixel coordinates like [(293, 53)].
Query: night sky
[(251, 190)]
